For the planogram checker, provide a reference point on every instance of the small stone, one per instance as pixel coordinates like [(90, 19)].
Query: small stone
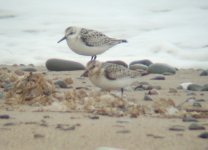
[(147, 97), (4, 116), (153, 92), (63, 65), (189, 119), (38, 136), (205, 87), (177, 128), (7, 86), (195, 104), (65, 127), (10, 124), (204, 135), (158, 78), (61, 84), (29, 69), (195, 87), (204, 73), (160, 68), (195, 126), (94, 117)]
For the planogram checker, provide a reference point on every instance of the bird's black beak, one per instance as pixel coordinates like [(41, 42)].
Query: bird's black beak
[(85, 74), (64, 38)]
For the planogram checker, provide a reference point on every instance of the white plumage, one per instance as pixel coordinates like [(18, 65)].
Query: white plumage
[(88, 42)]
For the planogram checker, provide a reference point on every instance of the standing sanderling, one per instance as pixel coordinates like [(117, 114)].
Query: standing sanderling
[(88, 42), (110, 76)]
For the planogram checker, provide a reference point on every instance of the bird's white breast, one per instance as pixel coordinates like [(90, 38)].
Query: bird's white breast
[(79, 47)]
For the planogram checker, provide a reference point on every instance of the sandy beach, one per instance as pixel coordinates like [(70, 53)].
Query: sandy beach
[(155, 125)]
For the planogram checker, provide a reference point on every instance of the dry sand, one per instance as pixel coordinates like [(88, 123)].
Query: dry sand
[(29, 129)]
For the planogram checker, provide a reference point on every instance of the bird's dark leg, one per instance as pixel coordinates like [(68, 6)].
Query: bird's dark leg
[(122, 91), (93, 58)]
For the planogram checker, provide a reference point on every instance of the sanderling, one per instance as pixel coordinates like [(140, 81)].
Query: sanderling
[(110, 76), (88, 42)]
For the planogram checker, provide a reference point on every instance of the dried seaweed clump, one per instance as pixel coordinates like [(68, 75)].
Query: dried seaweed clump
[(6, 76), (101, 103), (31, 89)]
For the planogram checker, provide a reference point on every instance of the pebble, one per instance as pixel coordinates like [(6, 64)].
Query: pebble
[(153, 92), (158, 78), (195, 104), (147, 97), (204, 73), (189, 119), (94, 117), (145, 62), (65, 127), (7, 86), (177, 128), (4, 116), (160, 68), (29, 69), (204, 135), (195, 126), (37, 135), (63, 65), (205, 87), (61, 84), (195, 87)]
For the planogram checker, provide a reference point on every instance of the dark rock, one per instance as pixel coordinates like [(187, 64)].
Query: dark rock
[(205, 87), (38, 136), (94, 117), (138, 67), (195, 87), (63, 65), (160, 68), (204, 73), (61, 84), (4, 116), (195, 104), (147, 97), (153, 92), (158, 78), (177, 128), (29, 69), (189, 119), (145, 62), (118, 62), (195, 126), (204, 135), (7, 86)]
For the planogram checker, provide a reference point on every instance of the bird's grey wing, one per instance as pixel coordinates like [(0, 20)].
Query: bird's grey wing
[(115, 71), (94, 38)]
